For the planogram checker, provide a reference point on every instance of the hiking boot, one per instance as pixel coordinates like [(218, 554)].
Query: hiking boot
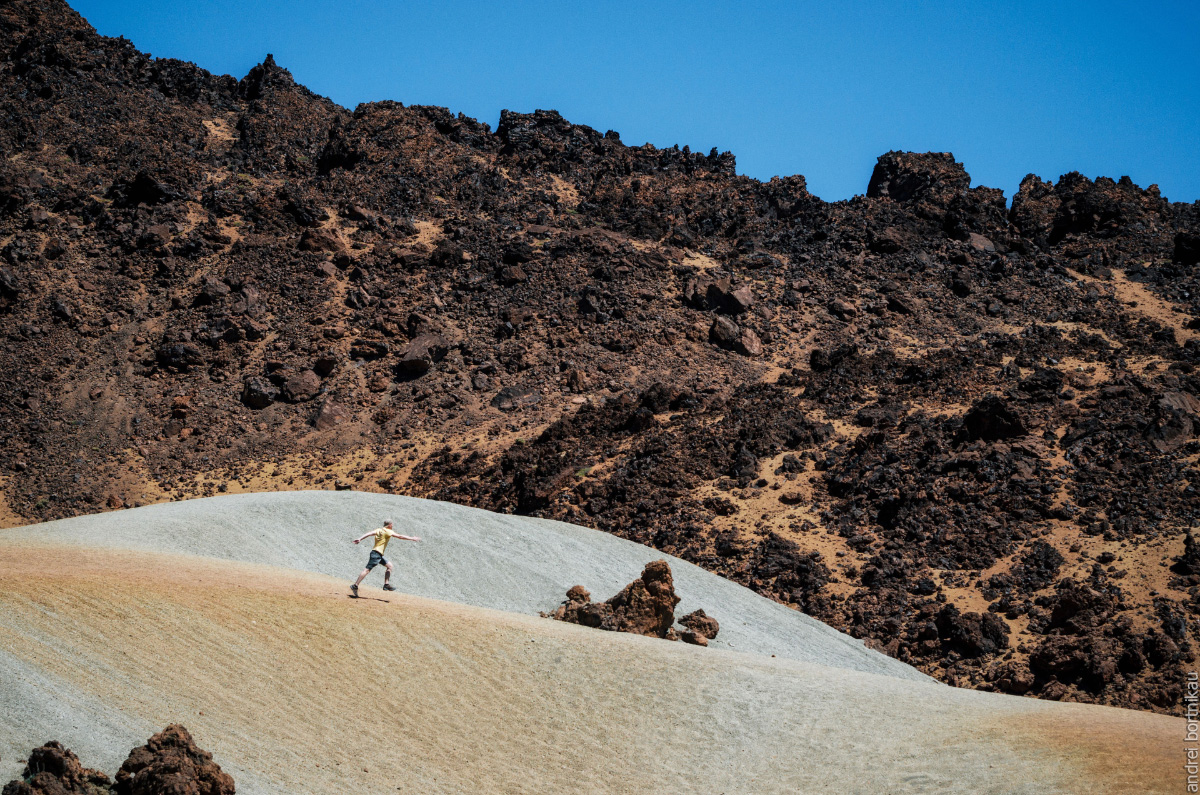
[(354, 590), (387, 586)]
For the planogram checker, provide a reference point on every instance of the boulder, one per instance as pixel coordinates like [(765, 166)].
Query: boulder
[(644, 607), (330, 415), (422, 352), (55, 770), (842, 310), (1177, 421), (517, 254), (991, 420), (369, 350), (726, 334), (9, 286), (935, 177), (321, 240), (701, 623), (303, 386), (577, 593), (748, 343), (258, 392), (1187, 248), (980, 243), (512, 274), (514, 397), (722, 296), (821, 361), (326, 362), (170, 762)]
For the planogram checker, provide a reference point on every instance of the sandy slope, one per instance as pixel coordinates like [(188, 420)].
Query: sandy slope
[(297, 688), (468, 555)]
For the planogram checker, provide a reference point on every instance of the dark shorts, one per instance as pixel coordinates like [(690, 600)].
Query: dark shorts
[(375, 560)]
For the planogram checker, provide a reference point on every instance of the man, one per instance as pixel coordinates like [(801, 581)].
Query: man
[(382, 536)]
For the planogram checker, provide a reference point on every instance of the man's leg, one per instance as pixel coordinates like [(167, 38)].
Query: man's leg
[(387, 577), (362, 577)]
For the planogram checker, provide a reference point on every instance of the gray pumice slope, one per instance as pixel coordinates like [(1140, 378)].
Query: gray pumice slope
[(468, 555)]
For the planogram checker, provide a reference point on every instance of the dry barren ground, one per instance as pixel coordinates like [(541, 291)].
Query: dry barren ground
[(297, 688)]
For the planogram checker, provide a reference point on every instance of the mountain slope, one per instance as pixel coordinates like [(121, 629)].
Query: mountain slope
[(963, 432), (469, 556), (297, 688)]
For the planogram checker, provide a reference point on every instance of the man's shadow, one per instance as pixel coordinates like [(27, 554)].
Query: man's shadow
[(372, 598)]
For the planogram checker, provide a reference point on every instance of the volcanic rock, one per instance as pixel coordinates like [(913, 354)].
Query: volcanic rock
[(55, 770), (1187, 248), (702, 623), (170, 762), (330, 415), (824, 360), (258, 392), (727, 334), (644, 607), (722, 296), (421, 354), (304, 385), (514, 397), (991, 419), (907, 176)]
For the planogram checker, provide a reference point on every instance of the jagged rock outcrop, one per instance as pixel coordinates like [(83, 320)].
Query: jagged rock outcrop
[(168, 764), (171, 762), (55, 770), (645, 606)]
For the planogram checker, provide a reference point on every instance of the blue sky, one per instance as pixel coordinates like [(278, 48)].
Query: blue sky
[(819, 89)]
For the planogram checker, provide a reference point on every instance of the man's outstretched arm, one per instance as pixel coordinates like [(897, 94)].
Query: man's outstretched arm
[(361, 537), (405, 538)]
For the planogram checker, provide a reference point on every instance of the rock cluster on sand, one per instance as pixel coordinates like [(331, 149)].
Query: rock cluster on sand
[(168, 764), (645, 606)]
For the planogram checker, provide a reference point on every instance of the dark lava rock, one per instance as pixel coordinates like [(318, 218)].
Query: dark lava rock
[(822, 360), (304, 385), (990, 420), (727, 334), (722, 296), (330, 415), (422, 353), (1187, 248), (514, 397), (369, 350), (905, 176), (971, 634), (644, 607), (54, 770), (9, 286), (701, 623), (259, 392), (170, 762), (1177, 421)]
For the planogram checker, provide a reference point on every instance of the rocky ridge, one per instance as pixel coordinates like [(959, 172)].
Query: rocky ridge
[(964, 431)]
